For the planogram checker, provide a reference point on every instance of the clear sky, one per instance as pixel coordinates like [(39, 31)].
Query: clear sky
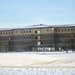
[(22, 13)]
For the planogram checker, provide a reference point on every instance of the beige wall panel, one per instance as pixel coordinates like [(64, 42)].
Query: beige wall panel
[(32, 31), (17, 32), (25, 31), (47, 30)]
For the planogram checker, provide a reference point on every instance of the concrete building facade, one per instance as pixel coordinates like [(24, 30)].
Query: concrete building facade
[(38, 38)]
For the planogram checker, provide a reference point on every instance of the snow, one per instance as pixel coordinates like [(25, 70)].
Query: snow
[(37, 63), (37, 59), (37, 71)]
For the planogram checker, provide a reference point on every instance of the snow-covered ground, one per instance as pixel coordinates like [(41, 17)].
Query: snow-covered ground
[(37, 71), (37, 63), (38, 59)]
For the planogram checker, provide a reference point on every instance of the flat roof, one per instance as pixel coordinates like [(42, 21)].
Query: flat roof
[(39, 26)]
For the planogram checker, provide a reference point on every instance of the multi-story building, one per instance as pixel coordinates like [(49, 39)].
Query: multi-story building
[(38, 38)]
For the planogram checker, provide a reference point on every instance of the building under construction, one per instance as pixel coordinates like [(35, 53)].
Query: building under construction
[(38, 38)]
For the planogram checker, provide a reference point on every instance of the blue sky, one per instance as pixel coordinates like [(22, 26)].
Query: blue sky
[(22, 13)]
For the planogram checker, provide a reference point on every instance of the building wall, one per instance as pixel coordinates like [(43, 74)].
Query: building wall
[(64, 38), (5, 38), (31, 39)]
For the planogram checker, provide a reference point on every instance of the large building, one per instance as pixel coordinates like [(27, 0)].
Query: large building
[(38, 38)]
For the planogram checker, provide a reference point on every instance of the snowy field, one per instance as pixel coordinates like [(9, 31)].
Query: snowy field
[(37, 71), (37, 63)]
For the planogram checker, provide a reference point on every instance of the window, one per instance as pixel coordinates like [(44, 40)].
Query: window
[(71, 29), (47, 29), (65, 35), (62, 30), (62, 41), (65, 29), (65, 41), (1, 33), (24, 31), (68, 35), (56, 42), (35, 31), (11, 32), (16, 31), (68, 41), (42, 42), (38, 32), (59, 36), (39, 43), (6, 32), (59, 41), (59, 30), (68, 29), (55, 30), (36, 37), (29, 31), (21, 31)]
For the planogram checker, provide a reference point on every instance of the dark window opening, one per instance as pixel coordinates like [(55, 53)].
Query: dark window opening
[(62, 30), (47, 29), (35, 31), (11, 32), (65, 29), (21, 31), (26, 31), (68, 29), (6, 32), (71, 29), (55, 30), (42, 43), (1, 33), (16, 31), (59, 30), (36, 37), (29, 31)]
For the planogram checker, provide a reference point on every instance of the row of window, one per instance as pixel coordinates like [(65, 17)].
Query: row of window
[(34, 42), (63, 42), (34, 37), (15, 49), (65, 47), (5, 33), (58, 30), (17, 43), (27, 31), (19, 38), (63, 36), (24, 31)]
